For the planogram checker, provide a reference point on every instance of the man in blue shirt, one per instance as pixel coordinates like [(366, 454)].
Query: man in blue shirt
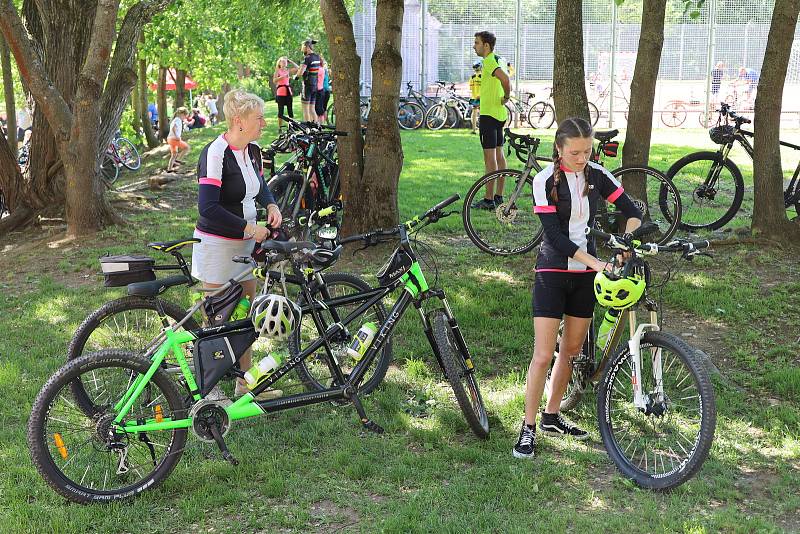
[(152, 112)]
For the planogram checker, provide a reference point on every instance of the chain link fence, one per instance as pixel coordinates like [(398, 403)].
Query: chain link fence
[(714, 57)]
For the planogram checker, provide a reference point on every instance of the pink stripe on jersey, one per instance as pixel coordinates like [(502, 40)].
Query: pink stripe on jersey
[(210, 181), (616, 194), (564, 271), (223, 237), (544, 209)]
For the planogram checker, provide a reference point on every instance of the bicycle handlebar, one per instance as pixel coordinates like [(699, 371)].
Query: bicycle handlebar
[(623, 243)]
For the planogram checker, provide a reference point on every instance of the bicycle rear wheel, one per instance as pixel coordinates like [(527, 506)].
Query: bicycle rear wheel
[(410, 115), (462, 380), (541, 115), (594, 113), (109, 170), (127, 153), (81, 455), (128, 323), (507, 229), (665, 444), (286, 188), (314, 371), (674, 114), (660, 204), (707, 202), (436, 116)]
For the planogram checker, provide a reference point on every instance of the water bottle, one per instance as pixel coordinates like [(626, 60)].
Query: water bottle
[(261, 370), (240, 312), (605, 327), (362, 340)]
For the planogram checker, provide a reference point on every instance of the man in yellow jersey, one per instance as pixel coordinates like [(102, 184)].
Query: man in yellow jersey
[(475, 93), (495, 90)]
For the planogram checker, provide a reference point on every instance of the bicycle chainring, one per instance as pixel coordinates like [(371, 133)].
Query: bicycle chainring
[(206, 413)]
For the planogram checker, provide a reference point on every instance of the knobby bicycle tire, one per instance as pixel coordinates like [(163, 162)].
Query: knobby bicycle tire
[(313, 371), (463, 381), (115, 312), (52, 465), (610, 413), (665, 208), (696, 215)]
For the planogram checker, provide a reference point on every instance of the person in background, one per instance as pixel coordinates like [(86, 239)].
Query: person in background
[(283, 91), (323, 95), (152, 114), (196, 120), (717, 73), (211, 105), (309, 70), (178, 148), (24, 125), (749, 79), (475, 93), (495, 91)]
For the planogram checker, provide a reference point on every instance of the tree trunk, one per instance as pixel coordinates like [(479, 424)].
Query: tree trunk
[(161, 95), (383, 153), (147, 126), (66, 74), (339, 29), (8, 90), (769, 214), (636, 150), (180, 88), (569, 86), (221, 100), (136, 103)]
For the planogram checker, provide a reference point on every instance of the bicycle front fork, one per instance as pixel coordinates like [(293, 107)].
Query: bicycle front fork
[(634, 346)]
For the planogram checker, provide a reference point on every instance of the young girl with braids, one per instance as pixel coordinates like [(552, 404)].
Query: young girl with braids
[(566, 197)]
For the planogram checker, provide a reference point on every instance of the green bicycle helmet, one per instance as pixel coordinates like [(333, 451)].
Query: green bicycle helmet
[(617, 292)]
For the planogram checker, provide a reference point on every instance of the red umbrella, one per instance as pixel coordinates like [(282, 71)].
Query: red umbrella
[(171, 85)]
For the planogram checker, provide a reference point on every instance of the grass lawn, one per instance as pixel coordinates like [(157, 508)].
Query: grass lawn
[(314, 470)]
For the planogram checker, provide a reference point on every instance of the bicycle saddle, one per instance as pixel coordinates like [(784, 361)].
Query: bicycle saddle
[(169, 246), (605, 135), (156, 287)]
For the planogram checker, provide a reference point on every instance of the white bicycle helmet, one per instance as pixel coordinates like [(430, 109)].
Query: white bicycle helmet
[(275, 316)]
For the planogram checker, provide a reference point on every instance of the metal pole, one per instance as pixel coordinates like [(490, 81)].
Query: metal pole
[(712, 10), (517, 46), (423, 59), (613, 64)]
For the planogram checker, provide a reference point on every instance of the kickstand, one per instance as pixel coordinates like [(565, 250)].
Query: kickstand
[(214, 428), (368, 424)]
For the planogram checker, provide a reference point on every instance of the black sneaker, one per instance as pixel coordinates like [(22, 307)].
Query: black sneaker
[(483, 204), (498, 199), (526, 442), (555, 424)]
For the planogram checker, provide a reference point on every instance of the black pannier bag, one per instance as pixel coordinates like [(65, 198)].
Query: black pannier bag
[(215, 355), (394, 268), (123, 270), (219, 308)]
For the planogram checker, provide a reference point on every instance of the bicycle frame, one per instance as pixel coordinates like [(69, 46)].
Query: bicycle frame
[(416, 291)]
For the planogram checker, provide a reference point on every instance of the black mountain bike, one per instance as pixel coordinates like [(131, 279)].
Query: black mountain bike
[(711, 184), (132, 429), (513, 228)]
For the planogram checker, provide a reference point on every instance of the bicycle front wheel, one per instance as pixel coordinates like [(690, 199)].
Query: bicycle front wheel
[(314, 371), (660, 203), (83, 456), (410, 115), (541, 115), (594, 113), (664, 444), (505, 229), (129, 323), (128, 154), (711, 190), (461, 379), (674, 114)]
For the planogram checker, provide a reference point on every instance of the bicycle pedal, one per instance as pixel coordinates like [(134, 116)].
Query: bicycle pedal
[(372, 426)]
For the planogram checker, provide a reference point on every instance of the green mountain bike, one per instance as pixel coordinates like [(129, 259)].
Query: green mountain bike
[(131, 434)]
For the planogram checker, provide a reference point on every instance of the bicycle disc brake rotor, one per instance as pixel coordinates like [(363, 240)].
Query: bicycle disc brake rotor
[(506, 217)]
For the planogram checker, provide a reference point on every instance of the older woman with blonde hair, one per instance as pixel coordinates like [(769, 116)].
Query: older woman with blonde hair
[(231, 182)]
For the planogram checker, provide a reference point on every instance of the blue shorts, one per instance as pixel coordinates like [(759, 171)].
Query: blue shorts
[(475, 102)]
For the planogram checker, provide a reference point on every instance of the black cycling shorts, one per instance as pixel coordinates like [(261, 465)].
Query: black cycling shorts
[(309, 91), (491, 131), (556, 294)]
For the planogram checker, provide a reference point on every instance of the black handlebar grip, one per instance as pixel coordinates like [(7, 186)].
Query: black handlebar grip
[(444, 203)]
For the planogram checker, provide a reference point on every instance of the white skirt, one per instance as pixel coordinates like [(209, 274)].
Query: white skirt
[(211, 258)]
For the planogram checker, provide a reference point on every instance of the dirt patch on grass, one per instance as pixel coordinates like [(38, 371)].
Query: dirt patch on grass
[(327, 516)]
